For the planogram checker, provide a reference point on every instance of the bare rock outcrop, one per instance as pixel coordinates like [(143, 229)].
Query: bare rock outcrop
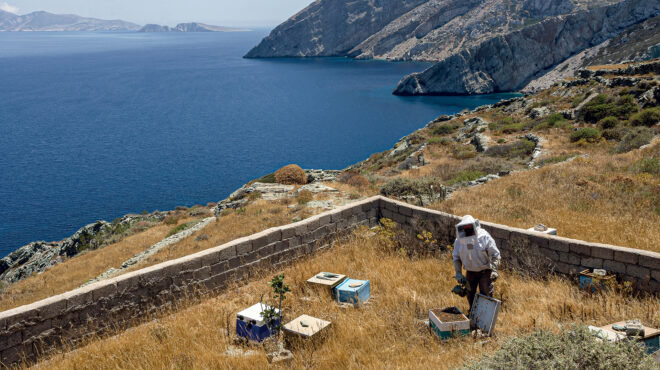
[(330, 28), (508, 63)]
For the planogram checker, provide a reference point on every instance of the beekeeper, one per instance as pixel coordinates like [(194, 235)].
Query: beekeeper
[(475, 250)]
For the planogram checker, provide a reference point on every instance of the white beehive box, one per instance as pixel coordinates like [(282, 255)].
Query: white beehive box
[(326, 279), (305, 326), (540, 228)]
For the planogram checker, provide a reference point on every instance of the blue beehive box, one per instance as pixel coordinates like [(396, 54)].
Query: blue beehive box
[(353, 291), (590, 281), (250, 323)]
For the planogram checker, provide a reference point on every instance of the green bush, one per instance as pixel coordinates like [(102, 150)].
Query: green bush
[(615, 134), (570, 349), (647, 117), (520, 149), (608, 122), (635, 138), (589, 134), (510, 129), (555, 118), (465, 176), (438, 140), (625, 106), (445, 129), (598, 108)]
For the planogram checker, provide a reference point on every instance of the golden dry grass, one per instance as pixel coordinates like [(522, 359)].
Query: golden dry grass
[(79, 269), (389, 332), (596, 199), (257, 216)]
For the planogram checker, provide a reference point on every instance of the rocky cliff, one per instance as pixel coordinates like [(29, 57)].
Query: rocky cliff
[(509, 62), (330, 27), (481, 46), (44, 21)]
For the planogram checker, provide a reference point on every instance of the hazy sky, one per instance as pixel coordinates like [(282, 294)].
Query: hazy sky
[(218, 12)]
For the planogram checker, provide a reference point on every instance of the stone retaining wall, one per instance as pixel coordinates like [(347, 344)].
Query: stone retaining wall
[(31, 330), (563, 255)]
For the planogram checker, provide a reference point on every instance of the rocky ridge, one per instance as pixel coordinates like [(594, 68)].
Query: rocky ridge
[(510, 62), (480, 46), (44, 21)]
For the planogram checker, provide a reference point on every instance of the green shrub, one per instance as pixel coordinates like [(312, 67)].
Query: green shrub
[(520, 149), (254, 195), (555, 118), (510, 129), (439, 140), (465, 176), (647, 165), (180, 228), (625, 106), (635, 138), (570, 349), (445, 129), (268, 179), (589, 134), (608, 122), (615, 134), (598, 108), (647, 117)]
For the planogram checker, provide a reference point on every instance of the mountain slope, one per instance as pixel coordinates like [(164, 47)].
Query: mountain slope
[(509, 62), (330, 27), (44, 21)]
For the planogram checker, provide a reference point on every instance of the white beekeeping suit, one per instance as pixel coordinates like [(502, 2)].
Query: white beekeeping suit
[(474, 248)]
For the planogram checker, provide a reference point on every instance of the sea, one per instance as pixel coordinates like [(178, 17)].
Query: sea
[(94, 126)]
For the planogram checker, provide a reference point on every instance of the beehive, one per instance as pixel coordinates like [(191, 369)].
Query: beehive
[(305, 326), (353, 291), (250, 323), (593, 282), (448, 323)]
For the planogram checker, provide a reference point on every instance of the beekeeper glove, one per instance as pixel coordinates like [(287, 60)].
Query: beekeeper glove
[(494, 275), (458, 268)]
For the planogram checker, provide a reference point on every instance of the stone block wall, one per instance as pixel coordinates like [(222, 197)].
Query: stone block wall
[(29, 331), (32, 330), (563, 255)]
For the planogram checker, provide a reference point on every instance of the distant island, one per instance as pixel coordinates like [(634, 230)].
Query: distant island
[(189, 27), (48, 22)]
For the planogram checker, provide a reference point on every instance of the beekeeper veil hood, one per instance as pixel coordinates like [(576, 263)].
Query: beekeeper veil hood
[(468, 228)]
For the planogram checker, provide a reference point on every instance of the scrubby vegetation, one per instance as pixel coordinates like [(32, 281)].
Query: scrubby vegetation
[(573, 348), (291, 175)]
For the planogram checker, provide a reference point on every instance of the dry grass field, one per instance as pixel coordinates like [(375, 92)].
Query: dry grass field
[(388, 332), (76, 271), (603, 198)]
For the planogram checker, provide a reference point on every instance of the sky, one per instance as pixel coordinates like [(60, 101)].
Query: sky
[(244, 13)]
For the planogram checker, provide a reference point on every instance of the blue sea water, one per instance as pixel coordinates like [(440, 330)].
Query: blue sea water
[(98, 125)]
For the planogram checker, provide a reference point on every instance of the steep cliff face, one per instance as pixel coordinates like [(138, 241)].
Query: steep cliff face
[(401, 30), (436, 29), (330, 27), (508, 62)]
